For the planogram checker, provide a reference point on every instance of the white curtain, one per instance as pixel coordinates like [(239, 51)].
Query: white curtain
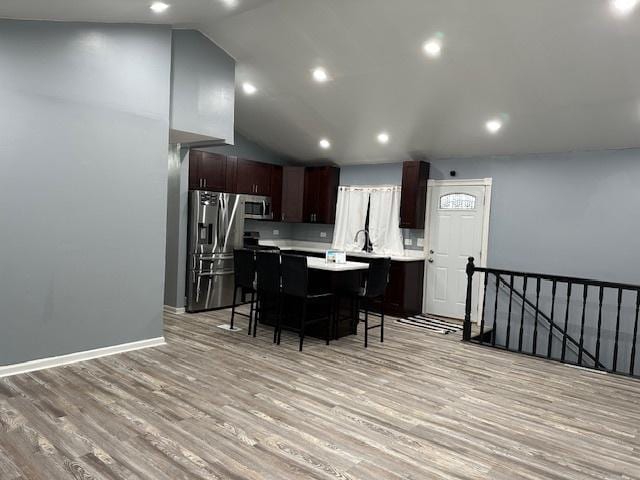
[(384, 221), (384, 218), (351, 214)]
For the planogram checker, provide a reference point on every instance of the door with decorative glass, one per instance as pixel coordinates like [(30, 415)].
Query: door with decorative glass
[(455, 233)]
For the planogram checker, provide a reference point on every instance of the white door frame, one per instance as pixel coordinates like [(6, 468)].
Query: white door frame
[(482, 182)]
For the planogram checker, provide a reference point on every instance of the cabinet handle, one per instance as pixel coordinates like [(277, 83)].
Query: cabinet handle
[(205, 183)]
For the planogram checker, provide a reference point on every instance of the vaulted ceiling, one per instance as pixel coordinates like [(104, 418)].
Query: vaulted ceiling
[(559, 74)]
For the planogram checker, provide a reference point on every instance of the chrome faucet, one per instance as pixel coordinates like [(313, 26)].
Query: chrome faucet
[(368, 247)]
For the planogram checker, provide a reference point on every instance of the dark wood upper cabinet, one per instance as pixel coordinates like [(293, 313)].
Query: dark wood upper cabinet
[(207, 171), (320, 194), (293, 194), (276, 192), (413, 203), (253, 178)]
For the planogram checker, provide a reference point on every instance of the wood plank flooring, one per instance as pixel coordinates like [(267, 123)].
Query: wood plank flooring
[(214, 404)]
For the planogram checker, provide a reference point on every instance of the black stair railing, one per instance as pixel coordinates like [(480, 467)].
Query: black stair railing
[(541, 317), (604, 332)]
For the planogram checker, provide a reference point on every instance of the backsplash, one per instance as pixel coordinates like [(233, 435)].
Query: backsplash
[(314, 232), (269, 230)]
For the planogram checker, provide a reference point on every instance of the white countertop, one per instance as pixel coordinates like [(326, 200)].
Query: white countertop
[(313, 247), (321, 264)]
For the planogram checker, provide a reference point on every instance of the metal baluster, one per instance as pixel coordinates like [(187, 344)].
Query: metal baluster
[(495, 312), (553, 310), (635, 335), (535, 325), (509, 314), (484, 306), (615, 345), (566, 323), (524, 297), (601, 295), (585, 294)]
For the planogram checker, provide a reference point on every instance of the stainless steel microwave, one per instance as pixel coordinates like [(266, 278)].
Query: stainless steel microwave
[(257, 207)]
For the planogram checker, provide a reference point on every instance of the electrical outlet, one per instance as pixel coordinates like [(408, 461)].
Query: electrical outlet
[(276, 233), (420, 242), (323, 234), (408, 242)]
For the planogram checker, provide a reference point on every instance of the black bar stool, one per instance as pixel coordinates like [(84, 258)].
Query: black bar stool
[(244, 267), (295, 284), (267, 287), (373, 293)]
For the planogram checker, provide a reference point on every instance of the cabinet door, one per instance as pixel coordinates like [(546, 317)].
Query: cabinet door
[(321, 194), (311, 186), (231, 175), (263, 178), (195, 181), (276, 192), (293, 198), (415, 175), (245, 183), (328, 195), (212, 171), (253, 178)]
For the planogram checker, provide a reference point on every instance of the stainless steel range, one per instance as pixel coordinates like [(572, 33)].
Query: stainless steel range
[(216, 225)]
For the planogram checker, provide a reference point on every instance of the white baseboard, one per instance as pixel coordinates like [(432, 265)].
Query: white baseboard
[(42, 363), (173, 310)]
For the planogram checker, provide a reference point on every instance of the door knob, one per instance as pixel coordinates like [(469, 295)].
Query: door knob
[(430, 260)]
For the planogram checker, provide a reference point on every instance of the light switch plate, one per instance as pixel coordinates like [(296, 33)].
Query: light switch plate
[(323, 234), (408, 242), (420, 242), (276, 233)]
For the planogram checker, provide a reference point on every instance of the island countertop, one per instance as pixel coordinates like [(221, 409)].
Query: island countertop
[(321, 264)]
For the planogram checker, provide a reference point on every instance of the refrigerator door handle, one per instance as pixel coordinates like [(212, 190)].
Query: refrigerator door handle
[(214, 274)]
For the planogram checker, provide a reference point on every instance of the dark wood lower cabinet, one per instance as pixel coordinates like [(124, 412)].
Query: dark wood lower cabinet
[(405, 289)]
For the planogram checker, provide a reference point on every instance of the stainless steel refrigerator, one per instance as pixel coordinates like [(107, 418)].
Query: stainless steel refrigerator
[(216, 225)]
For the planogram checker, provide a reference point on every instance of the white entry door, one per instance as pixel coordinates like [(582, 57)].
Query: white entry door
[(455, 233)]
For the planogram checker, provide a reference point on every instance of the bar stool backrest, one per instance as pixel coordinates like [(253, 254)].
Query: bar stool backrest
[(295, 276), (378, 277), (268, 272), (244, 266)]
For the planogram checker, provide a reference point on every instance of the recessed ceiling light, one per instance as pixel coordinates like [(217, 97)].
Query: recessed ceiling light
[(432, 47), (249, 88), (159, 7), (383, 138), (493, 126), (324, 144), (320, 75), (624, 7), (230, 3)]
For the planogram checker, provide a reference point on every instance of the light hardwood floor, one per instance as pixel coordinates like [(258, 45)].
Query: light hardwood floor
[(215, 404)]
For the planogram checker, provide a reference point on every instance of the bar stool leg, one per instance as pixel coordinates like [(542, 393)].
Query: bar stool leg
[(276, 332), (329, 319), (366, 326), (303, 323), (233, 306), (382, 321), (251, 307)]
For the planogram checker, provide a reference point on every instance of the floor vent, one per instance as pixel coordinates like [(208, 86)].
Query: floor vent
[(432, 324)]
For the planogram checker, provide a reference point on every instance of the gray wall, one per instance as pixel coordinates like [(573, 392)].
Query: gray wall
[(84, 122), (177, 214), (568, 213), (202, 89)]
